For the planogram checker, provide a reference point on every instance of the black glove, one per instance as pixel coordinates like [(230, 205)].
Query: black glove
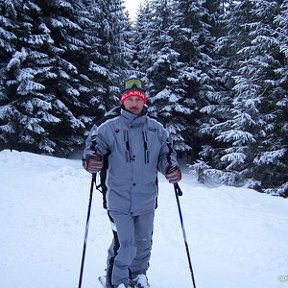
[(93, 163), (173, 174)]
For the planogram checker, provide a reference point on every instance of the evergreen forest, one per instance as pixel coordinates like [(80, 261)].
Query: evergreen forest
[(215, 72)]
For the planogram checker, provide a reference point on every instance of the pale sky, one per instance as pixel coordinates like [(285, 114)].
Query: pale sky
[(132, 7)]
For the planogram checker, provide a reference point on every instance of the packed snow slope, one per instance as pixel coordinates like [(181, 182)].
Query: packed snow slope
[(237, 237)]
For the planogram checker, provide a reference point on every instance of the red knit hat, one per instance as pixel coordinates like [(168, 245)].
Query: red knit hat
[(134, 92)]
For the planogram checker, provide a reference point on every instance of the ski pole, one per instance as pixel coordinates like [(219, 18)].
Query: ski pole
[(93, 180), (178, 192)]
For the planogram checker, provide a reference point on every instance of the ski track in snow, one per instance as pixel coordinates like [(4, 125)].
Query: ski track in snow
[(237, 237)]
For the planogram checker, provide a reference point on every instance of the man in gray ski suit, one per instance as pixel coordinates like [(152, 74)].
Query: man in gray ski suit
[(129, 148)]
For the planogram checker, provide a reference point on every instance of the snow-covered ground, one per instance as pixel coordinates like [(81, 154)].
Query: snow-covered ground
[(237, 237)]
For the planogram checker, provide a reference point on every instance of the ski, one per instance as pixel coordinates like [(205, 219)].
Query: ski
[(102, 280)]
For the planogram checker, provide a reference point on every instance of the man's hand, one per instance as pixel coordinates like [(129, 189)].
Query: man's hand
[(93, 163), (173, 174)]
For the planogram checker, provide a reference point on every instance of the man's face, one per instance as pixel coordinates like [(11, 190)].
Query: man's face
[(134, 104)]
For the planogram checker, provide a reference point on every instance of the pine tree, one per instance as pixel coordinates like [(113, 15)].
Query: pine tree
[(141, 45), (26, 106), (196, 26), (250, 132), (111, 59), (281, 21), (162, 73), (218, 107), (272, 154), (51, 85), (8, 41), (66, 25)]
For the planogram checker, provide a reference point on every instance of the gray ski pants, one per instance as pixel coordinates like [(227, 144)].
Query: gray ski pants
[(130, 250)]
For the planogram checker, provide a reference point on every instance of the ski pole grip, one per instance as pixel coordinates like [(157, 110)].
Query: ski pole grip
[(178, 189)]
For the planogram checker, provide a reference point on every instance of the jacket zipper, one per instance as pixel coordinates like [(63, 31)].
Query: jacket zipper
[(146, 151), (127, 152)]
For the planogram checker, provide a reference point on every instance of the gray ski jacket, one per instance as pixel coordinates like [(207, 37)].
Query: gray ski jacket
[(136, 148)]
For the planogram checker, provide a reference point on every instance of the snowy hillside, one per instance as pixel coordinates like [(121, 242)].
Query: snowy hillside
[(237, 237)]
